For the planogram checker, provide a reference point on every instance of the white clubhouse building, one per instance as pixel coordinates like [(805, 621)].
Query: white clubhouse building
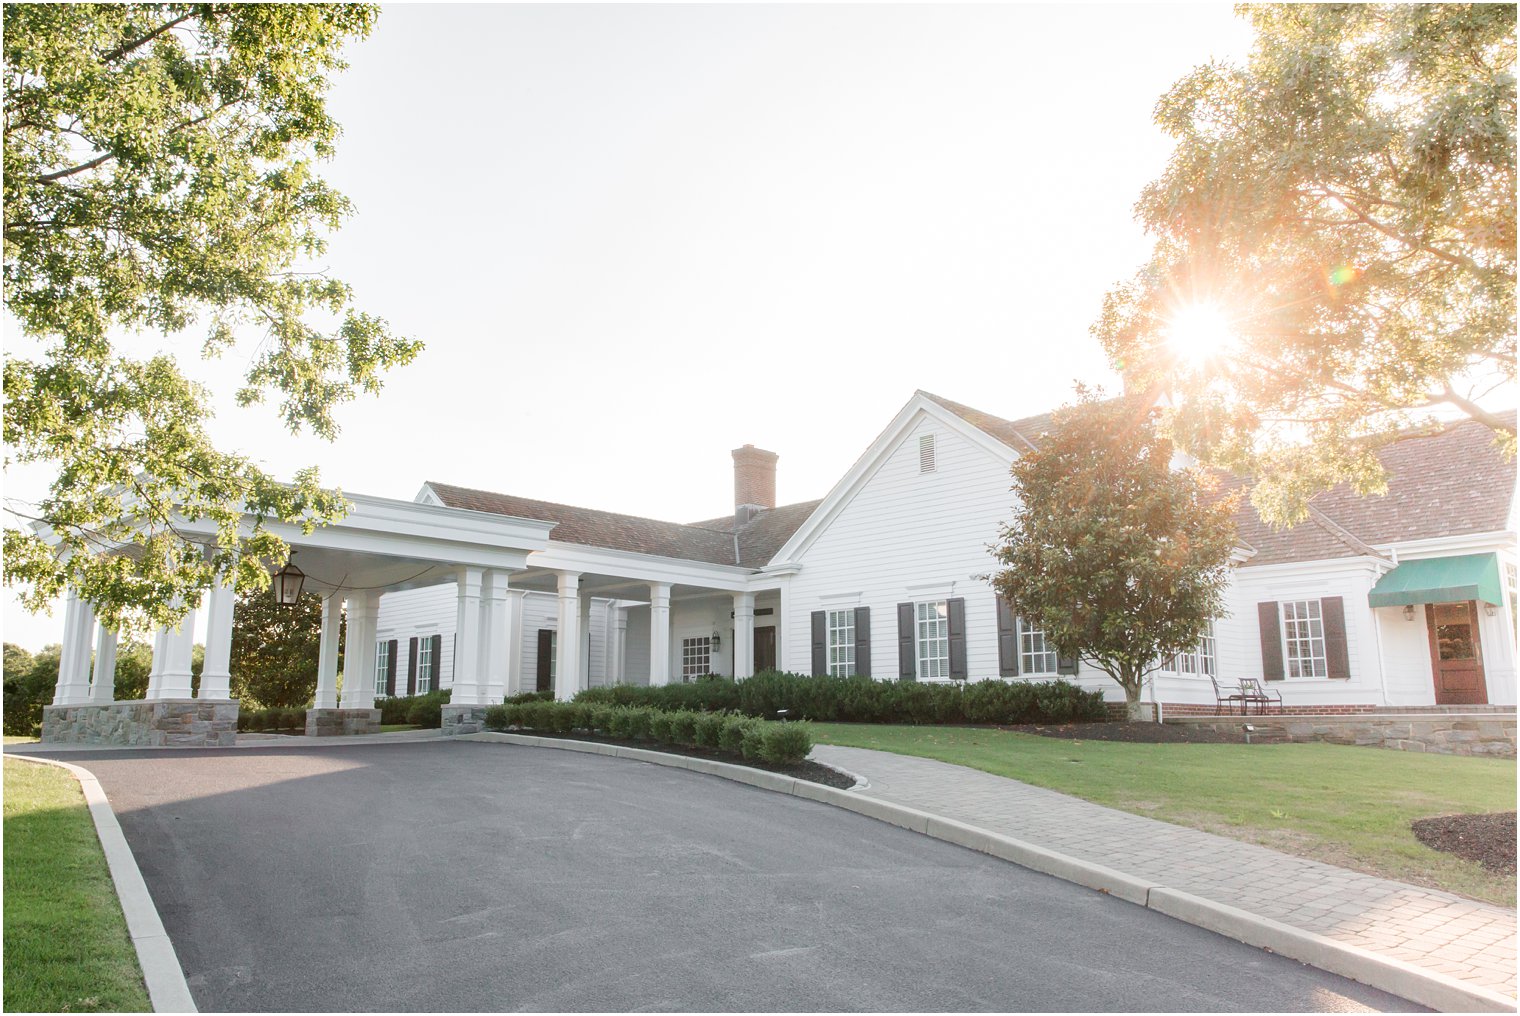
[(1376, 603)]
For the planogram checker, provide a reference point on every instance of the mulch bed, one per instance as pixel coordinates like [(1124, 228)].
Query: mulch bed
[(807, 769), (1487, 839), (1138, 733)]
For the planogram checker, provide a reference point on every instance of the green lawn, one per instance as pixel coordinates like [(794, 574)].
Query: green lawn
[(1343, 805), (386, 728), (19, 739), (66, 944)]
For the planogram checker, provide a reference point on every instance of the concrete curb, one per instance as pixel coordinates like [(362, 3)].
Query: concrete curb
[(1426, 987), (161, 971)]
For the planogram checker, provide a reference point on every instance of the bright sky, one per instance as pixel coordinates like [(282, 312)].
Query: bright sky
[(634, 238)]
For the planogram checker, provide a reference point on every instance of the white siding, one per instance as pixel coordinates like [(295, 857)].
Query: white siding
[(434, 610), (908, 535)]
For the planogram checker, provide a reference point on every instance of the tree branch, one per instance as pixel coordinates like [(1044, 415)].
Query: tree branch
[(127, 47), (81, 168), (1472, 409)]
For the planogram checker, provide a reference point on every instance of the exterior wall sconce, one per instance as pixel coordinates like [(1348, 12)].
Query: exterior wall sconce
[(1409, 612), (288, 582), (1490, 610), (717, 641)]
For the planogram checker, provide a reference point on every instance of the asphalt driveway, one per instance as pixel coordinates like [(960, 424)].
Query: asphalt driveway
[(468, 876)]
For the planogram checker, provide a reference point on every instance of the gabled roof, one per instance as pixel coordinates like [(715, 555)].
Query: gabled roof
[(1450, 483), (712, 542)]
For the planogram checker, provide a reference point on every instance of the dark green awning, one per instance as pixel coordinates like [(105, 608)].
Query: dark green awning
[(1439, 580)]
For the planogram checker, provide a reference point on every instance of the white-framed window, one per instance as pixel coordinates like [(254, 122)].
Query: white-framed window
[(1202, 658), (1511, 580), (425, 663), (1036, 654), (841, 628), (926, 462), (382, 666), (696, 657), (553, 655), (933, 639), (1304, 639)]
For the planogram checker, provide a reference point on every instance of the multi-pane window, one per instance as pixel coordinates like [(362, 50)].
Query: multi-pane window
[(696, 657), (1036, 654), (933, 640), (842, 643), (553, 655), (424, 664), (1202, 658), (1511, 580), (1304, 639), (382, 666)]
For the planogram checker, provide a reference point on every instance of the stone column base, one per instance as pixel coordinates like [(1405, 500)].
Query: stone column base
[(160, 723), (341, 722), (463, 719)]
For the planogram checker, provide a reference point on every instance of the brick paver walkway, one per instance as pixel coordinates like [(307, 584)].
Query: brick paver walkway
[(1471, 941)]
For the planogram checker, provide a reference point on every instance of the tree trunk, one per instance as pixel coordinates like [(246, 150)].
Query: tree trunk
[(1135, 710)]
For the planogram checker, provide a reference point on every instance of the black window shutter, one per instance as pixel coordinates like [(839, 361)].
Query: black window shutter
[(1008, 639), (1332, 612), (907, 661), (411, 666), (820, 644), (863, 641), (438, 662), (1271, 641), (1066, 665), (956, 608), (390, 666), (545, 651)]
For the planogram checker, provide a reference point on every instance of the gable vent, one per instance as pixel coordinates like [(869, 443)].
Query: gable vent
[(926, 454)]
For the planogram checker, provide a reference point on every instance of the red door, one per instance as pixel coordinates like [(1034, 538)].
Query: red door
[(1456, 658)]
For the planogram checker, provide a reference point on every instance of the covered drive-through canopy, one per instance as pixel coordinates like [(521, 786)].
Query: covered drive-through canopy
[(1439, 580)]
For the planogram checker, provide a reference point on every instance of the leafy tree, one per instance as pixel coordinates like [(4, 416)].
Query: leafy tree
[(160, 175), (274, 650), (17, 659), (29, 688), (1120, 559), (1335, 243)]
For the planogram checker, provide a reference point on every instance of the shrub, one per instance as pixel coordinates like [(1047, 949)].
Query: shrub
[(496, 718), (753, 745), (426, 711), (292, 719), (785, 743), (731, 734), (708, 729), (659, 725), (683, 727), (773, 695), (530, 696)]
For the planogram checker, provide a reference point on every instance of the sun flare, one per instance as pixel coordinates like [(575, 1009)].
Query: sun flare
[(1198, 332)]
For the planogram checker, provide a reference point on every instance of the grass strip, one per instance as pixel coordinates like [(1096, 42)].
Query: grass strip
[(1342, 805), (66, 942)]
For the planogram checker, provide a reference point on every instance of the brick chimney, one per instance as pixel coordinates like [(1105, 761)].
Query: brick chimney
[(754, 481)]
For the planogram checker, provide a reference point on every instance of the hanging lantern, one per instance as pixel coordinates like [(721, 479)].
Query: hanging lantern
[(288, 582)]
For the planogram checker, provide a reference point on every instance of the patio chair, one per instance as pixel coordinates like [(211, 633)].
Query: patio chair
[(1259, 693), (1224, 697)]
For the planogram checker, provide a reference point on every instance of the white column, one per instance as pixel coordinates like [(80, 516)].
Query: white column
[(103, 683), (174, 680), (659, 633), (585, 672), (783, 622), (359, 651), (327, 652), (567, 642), (619, 644), (468, 647), (156, 671), (494, 674), (744, 635), (216, 669), (514, 605), (73, 685)]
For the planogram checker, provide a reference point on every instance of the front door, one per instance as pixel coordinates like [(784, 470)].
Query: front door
[(765, 649), (1456, 658)]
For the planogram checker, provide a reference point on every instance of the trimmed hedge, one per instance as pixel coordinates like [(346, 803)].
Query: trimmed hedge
[(780, 743), (864, 700), (428, 708), (271, 719)]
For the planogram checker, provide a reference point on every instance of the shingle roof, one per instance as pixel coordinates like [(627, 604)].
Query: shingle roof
[(1450, 483), (711, 542)]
